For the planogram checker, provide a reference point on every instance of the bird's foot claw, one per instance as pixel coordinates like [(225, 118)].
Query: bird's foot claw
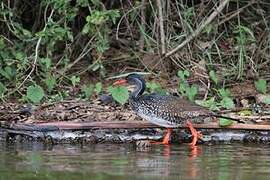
[(196, 136), (199, 135), (165, 140), (159, 142)]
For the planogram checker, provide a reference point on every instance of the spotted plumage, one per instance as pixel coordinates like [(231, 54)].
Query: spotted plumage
[(163, 110)]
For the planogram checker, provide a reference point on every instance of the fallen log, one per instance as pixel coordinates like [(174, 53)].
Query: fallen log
[(139, 125), (129, 131)]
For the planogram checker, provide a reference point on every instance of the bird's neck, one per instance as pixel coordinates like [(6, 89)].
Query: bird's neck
[(139, 89)]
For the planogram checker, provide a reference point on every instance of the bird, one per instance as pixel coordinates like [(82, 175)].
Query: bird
[(164, 110)]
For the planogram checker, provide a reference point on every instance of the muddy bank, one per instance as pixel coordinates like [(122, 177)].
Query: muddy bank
[(73, 111)]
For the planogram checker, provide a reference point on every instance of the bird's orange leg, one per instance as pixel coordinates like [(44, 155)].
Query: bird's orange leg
[(166, 138), (195, 134)]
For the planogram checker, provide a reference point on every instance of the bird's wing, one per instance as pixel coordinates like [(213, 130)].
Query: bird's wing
[(177, 107)]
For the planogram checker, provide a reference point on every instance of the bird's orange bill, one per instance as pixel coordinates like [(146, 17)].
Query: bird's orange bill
[(120, 82)]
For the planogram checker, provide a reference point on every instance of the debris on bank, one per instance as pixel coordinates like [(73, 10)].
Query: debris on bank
[(88, 122)]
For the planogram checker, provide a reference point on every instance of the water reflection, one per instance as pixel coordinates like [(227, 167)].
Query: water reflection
[(195, 151), (120, 161)]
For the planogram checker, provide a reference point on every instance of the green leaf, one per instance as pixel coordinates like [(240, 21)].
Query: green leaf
[(50, 83), (155, 87), (102, 44), (224, 92), (27, 33), (210, 103), (227, 103), (97, 17), (47, 62), (183, 74), (98, 87), (192, 92), (83, 3), (213, 76), (88, 90), (35, 93), (95, 2), (19, 56), (225, 122), (119, 94), (208, 28), (152, 86), (183, 88), (86, 28), (2, 88), (113, 14), (266, 100), (8, 72), (245, 112), (261, 85), (74, 80), (2, 43)]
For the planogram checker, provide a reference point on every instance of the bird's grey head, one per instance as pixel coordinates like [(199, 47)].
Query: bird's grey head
[(138, 81), (134, 78)]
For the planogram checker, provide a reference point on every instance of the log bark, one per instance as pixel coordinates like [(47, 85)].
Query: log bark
[(51, 126)]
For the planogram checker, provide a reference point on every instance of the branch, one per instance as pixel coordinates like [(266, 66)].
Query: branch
[(141, 41), (198, 31), (161, 27)]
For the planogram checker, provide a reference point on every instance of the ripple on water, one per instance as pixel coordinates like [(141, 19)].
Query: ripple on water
[(119, 161)]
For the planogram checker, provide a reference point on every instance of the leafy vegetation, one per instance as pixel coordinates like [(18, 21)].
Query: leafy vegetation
[(41, 42), (155, 88), (225, 122), (119, 94), (210, 104), (184, 88), (267, 100), (89, 89), (261, 85), (35, 93), (226, 99), (51, 48)]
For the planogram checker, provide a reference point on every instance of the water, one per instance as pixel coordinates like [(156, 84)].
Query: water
[(119, 161)]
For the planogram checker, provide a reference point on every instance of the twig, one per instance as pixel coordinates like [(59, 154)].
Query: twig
[(249, 117), (84, 52), (33, 64), (141, 41), (36, 54), (126, 74), (121, 19), (9, 41), (161, 27), (198, 31), (9, 21), (237, 12)]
